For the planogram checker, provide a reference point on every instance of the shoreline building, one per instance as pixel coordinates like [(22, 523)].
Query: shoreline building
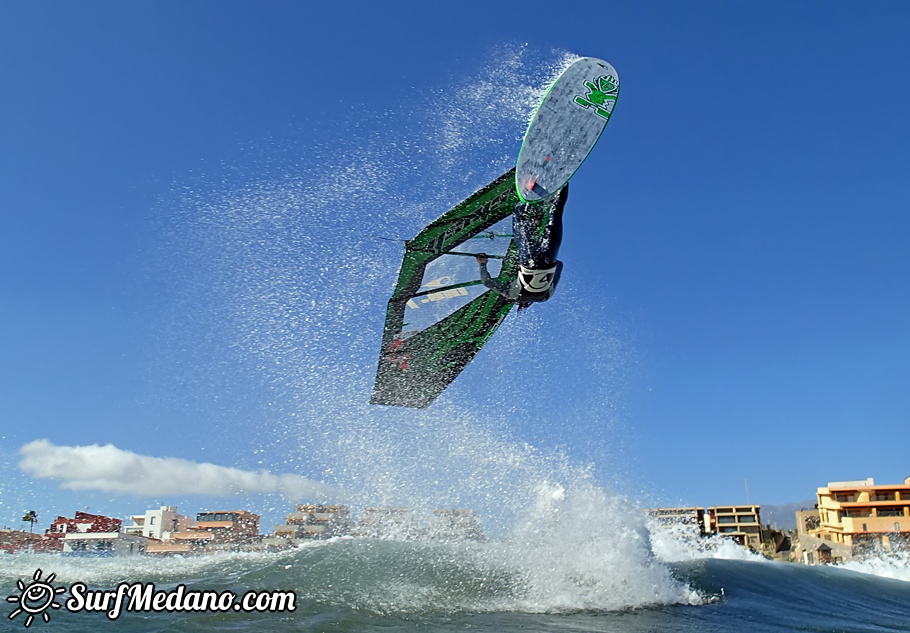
[(812, 550), (864, 516), (82, 522), (693, 517), (95, 535), (104, 544), (741, 523), (223, 530), (12, 541), (158, 524), (315, 521)]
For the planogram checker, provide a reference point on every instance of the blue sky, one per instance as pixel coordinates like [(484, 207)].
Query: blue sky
[(734, 305)]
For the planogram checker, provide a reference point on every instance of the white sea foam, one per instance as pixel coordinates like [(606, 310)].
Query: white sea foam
[(677, 542), (583, 547), (887, 565)]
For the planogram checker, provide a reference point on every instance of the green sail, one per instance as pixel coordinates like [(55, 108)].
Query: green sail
[(440, 315)]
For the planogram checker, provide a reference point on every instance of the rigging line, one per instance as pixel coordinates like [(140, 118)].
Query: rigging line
[(490, 235), (423, 250)]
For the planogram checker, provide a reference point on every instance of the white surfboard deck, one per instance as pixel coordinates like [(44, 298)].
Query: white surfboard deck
[(568, 122)]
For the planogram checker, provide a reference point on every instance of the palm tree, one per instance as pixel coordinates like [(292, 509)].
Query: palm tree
[(30, 517)]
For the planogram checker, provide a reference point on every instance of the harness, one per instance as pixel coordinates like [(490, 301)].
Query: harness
[(534, 284)]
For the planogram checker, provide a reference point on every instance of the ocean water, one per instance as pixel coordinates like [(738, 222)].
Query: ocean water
[(371, 585), (277, 271)]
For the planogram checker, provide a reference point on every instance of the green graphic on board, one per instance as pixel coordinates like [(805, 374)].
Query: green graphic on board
[(601, 91), (567, 124)]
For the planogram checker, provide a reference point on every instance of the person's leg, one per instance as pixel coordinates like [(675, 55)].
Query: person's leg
[(551, 235), (538, 231), (524, 232)]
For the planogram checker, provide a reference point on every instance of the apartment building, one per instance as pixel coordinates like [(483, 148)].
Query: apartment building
[(862, 515), (689, 516), (740, 523), (315, 521), (214, 531), (158, 523)]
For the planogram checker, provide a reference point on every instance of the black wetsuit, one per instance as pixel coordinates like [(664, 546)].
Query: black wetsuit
[(537, 229)]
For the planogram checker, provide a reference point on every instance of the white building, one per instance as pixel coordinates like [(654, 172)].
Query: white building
[(104, 543), (158, 524)]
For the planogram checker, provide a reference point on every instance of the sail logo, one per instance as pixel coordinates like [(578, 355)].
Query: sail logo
[(601, 95)]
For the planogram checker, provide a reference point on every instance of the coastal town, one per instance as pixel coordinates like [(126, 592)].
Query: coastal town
[(850, 520), (163, 531)]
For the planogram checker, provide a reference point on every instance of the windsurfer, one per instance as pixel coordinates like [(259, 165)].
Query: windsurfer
[(537, 230)]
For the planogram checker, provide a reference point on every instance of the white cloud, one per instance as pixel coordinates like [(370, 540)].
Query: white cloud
[(111, 469)]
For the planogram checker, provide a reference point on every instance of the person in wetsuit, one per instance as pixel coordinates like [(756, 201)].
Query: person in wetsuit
[(537, 230)]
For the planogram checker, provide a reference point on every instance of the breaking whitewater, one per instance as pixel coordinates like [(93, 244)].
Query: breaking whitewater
[(566, 569), (276, 272)]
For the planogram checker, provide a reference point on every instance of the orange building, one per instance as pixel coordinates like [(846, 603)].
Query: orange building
[(861, 514), (228, 526)]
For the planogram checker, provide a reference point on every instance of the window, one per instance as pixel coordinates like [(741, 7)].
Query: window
[(216, 516), (151, 520), (726, 519)]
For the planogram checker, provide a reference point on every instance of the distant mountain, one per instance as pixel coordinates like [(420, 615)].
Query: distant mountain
[(783, 517)]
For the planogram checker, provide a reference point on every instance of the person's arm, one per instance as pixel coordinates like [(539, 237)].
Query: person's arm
[(493, 284)]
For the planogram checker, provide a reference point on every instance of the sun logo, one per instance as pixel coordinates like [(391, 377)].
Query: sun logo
[(36, 598)]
